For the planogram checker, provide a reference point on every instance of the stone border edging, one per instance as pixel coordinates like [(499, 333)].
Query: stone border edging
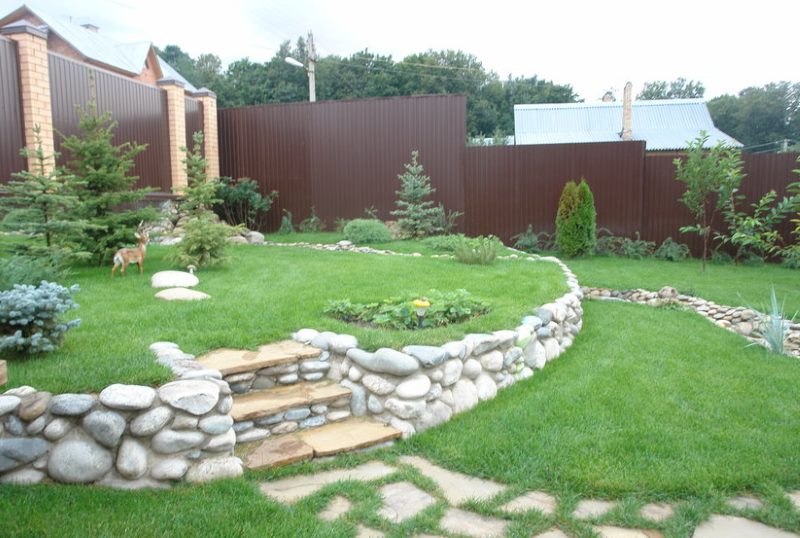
[(737, 319)]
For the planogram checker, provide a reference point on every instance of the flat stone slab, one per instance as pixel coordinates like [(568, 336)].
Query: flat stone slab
[(366, 532), (292, 489), (591, 508), (335, 509), (181, 294), (656, 511), (533, 500), (794, 496), (278, 451), (403, 500), (738, 527), (471, 524), (272, 401), (173, 279), (457, 487), (552, 533), (350, 434), (235, 361), (620, 532), (745, 502)]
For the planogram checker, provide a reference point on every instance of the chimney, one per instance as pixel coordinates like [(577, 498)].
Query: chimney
[(91, 27), (608, 97), (627, 112)]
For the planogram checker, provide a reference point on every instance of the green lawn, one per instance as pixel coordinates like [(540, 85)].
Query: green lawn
[(261, 295), (648, 405)]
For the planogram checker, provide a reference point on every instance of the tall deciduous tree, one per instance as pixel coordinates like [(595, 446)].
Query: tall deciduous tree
[(679, 88)]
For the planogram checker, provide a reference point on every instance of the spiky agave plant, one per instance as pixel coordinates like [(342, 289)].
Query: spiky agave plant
[(774, 326)]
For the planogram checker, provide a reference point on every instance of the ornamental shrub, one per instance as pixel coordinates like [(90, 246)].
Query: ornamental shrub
[(478, 250), (415, 211), (672, 251), (361, 231), (29, 317), (30, 270), (532, 242), (242, 203), (576, 220), (312, 224)]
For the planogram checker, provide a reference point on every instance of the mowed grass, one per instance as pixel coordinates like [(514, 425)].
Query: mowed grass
[(261, 295), (649, 405)]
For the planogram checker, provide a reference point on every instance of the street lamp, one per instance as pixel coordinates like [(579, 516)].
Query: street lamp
[(310, 69), (421, 306)]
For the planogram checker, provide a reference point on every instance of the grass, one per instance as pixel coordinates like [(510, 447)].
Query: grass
[(649, 405), (262, 295)]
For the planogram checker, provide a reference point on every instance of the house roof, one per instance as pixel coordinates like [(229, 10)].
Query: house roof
[(663, 124), (102, 49)]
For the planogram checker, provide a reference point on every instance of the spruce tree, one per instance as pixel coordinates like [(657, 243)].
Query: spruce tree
[(417, 213), (107, 188), (42, 203)]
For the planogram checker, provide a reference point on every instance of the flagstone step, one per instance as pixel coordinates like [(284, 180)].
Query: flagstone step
[(328, 440), (236, 361), (263, 403)]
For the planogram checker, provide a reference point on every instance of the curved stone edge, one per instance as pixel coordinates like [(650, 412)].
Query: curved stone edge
[(421, 387), (746, 322), (127, 436)]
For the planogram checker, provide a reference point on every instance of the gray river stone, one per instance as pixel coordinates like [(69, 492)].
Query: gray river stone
[(340, 343), (15, 452), (132, 459), (170, 469), (215, 468), (9, 404), (79, 461), (71, 405), (415, 387), (452, 372), (216, 424), (428, 356), (358, 398), (152, 421), (195, 396), (481, 343), (127, 397), (105, 426), (385, 360), (57, 429), (378, 385), (171, 441)]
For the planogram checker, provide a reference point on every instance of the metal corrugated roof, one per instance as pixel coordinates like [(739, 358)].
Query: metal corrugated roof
[(663, 124), (169, 72)]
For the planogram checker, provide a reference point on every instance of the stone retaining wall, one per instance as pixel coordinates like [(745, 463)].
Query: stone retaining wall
[(423, 386), (128, 436)]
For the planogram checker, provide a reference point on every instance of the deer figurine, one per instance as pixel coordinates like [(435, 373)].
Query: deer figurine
[(127, 256)]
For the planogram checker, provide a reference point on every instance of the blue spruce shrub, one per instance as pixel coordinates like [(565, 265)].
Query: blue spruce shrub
[(29, 317)]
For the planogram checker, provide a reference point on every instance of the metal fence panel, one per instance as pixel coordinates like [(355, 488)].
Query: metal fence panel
[(11, 132)]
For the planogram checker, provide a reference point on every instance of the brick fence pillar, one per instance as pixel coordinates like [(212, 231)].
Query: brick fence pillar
[(208, 99), (34, 90), (176, 119)]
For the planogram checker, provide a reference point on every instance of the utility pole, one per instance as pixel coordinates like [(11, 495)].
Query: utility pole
[(312, 60)]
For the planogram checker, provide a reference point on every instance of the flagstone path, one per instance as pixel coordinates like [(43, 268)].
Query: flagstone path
[(402, 501)]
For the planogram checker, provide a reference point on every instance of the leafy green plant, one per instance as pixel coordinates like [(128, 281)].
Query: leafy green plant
[(608, 244), (339, 224), (721, 257), (711, 178), (312, 224), (30, 270), (755, 234), (30, 317), (364, 231), (106, 190), (415, 211), (398, 313), (286, 227), (672, 251), (576, 227), (477, 250), (444, 222), (444, 243), (242, 203), (638, 248), (371, 212), (774, 327), (531, 242)]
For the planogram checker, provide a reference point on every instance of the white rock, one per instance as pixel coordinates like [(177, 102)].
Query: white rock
[(551, 348), (131, 459), (472, 368), (535, 355), (341, 343), (221, 443), (150, 422), (435, 414), (8, 404), (181, 294), (374, 404), (354, 374), (23, 477), (377, 384), (405, 409), (415, 387), (171, 441), (406, 428), (173, 279), (159, 346), (170, 469), (452, 372), (127, 397), (79, 460), (492, 361), (465, 396), (305, 336), (195, 396), (57, 429), (487, 389), (215, 468)]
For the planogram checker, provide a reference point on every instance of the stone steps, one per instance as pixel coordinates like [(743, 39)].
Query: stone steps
[(268, 402), (237, 361), (327, 440)]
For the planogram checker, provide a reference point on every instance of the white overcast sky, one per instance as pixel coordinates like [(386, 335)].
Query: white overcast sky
[(593, 45)]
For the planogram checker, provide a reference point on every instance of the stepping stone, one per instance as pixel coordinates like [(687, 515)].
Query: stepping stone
[(278, 451), (350, 434), (366, 532), (738, 527), (292, 489), (235, 361), (619, 532), (592, 508), (471, 524), (173, 279), (552, 533), (745, 502), (336, 509), (656, 512), (457, 487), (402, 501), (794, 496), (181, 294), (264, 403), (533, 500)]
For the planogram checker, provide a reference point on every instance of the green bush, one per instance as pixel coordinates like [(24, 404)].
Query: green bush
[(637, 248), (720, 257), (398, 312), (531, 242), (29, 270), (443, 221), (29, 317), (672, 251), (362, 231), (286, 227), (312, 224), (415, 212), (444, 243), (241, 203), (204, 242), (576, 226), (478, 250), (791, 257)]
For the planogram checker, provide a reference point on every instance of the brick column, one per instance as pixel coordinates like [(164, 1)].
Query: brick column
[(34, 90), (208, 99), (176, 119)]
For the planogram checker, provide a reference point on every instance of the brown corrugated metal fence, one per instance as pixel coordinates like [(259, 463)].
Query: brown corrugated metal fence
[(194, 120), (11, 133), (139, 109)]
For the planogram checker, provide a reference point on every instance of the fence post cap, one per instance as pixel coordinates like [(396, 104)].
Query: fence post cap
[(24, 26), (168, 81), (204, 92)]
